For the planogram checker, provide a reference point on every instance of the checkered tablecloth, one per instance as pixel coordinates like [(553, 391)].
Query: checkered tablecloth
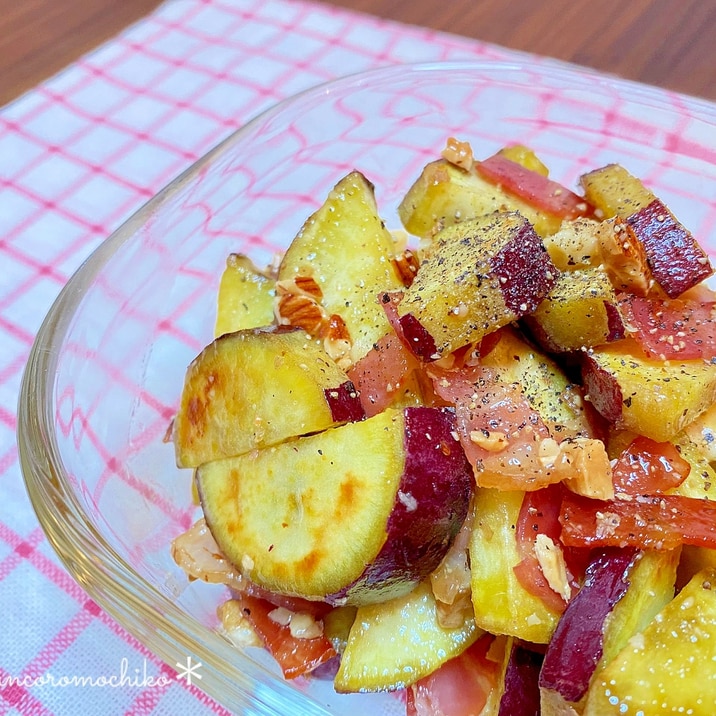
[(78, 155)]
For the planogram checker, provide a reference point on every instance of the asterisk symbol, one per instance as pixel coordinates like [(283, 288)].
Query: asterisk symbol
[(186, 671)]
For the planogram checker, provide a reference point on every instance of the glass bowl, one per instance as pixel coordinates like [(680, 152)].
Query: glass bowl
[(107, 368)]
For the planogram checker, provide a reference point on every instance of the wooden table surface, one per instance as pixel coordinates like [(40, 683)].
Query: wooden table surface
[(669, 43)]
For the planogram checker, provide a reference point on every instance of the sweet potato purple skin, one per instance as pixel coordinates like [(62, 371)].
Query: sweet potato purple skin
[(521, 696), (576, 646), (617, 330), (603, 391), (676, 260), (344, 404), (525, 271), (430, 507), (417, 338)]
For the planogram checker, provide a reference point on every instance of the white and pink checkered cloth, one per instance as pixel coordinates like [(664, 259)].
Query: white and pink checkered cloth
[(78, 155)]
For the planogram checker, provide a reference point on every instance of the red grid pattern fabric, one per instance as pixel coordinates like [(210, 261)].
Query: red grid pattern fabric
[(78, 155)]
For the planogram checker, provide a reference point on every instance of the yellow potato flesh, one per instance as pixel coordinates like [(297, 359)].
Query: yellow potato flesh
[(245, 299), (392, 645), (668, 667), (307, 516), (444, 195), (250, 389), (501, 603), (659, 398), (347, 250)]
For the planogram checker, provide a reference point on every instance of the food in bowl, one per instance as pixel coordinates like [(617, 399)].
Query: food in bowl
[(475, 469), (483, 459), (105, 374)]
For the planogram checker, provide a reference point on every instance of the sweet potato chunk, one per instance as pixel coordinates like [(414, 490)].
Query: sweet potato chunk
[(354, 515), (577, 244), (580, 311), (482, 274), (524, 156), (623, 590), (675, 259), (702, 432), (502, 605), (445, 194), (519, 686), (615, 192), (669, 663), (418, 644), (653, 398)]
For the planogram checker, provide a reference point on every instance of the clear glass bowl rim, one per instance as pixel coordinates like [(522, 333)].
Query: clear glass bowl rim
[(144, 612)]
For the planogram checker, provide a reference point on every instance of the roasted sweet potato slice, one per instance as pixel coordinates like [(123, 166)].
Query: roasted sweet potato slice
[(669, 663), (623, 590), (255, 388), (346, 250), (418, 644), (675, 259), (615, 192), (445, 194), (357, 514), (502, 605)]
